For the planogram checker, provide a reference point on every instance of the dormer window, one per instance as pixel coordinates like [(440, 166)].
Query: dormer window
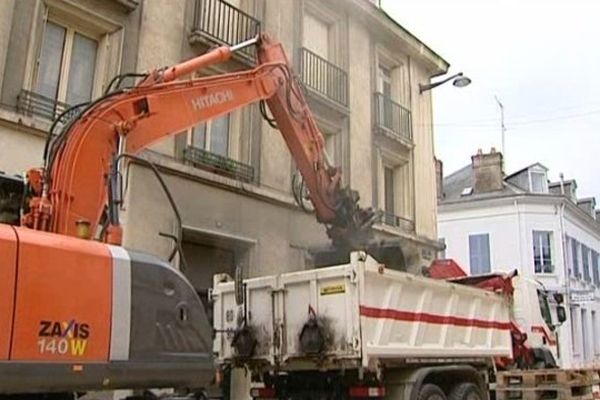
[(538, 182)]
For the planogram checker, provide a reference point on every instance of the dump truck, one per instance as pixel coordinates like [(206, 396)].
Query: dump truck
[(361, 330)]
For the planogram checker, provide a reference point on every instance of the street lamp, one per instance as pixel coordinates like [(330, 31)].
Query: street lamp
[(459, 81)]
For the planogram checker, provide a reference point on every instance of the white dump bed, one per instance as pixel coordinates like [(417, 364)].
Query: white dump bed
[(366, 313)]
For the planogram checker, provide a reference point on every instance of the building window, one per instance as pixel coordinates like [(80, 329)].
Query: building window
[(384, 81), (595, 272), (67, 65), (585, 258), (479, 253), (73, 52), (212, 136), (392, 117), (388, 190), (395, 192), (585, 346), (321, 68), (538, 182), (317, 35), (575, 257), (542, 252), (330, 146), (574, 322)]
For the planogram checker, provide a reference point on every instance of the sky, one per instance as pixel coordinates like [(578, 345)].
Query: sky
[(541, 58)]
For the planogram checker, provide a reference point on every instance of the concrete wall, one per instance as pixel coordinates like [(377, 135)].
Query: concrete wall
[(161, 43), (425, 194), (20, 149), (361, 95), (276, 234)]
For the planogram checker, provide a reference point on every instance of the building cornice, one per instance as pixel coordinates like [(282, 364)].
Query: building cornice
[(378, 19), (525, 198)]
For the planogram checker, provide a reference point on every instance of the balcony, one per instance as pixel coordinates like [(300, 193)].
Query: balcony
[(391, 119), (218, 164), (323, 77), (33, 104), (396, 221), (217, 22)]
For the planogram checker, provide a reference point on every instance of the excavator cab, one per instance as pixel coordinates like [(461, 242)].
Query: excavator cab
[(12, 189)]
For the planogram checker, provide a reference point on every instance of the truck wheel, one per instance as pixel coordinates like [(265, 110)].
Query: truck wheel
[(430, 391), (465, 391)]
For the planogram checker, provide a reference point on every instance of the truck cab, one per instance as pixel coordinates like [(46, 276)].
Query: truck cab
[(538, 319)]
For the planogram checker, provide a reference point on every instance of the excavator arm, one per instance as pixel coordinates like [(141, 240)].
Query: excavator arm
[(72, 189)]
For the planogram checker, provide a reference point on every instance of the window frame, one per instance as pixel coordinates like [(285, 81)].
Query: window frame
[(586, 254), (108, 33), (399, 75), (489, 253), (403, 185), (208, 131), (544, 178), (595, 264), (575, 250), (66, 56), (539, 243), (336, 29)]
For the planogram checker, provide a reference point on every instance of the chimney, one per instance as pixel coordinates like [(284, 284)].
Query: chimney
[(439, 177), (487, 171)]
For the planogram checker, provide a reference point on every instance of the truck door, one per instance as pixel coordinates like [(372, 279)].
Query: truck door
[(8, 267)]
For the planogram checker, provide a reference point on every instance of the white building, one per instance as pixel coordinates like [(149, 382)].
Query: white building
[(493, 222)]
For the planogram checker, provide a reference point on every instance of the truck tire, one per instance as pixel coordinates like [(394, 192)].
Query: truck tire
[(465, 391), (429, 391)]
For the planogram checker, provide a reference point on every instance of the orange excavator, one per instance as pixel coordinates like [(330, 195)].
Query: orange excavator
[(79, 312)]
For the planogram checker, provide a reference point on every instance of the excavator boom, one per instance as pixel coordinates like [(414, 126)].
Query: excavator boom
[(73, 188), (85, 314)]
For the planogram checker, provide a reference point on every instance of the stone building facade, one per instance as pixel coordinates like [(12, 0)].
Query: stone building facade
[(231, 177)]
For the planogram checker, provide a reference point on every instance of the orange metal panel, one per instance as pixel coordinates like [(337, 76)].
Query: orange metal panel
[(64, 296), (8, 266)]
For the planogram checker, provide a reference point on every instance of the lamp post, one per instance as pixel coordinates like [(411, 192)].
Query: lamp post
[(459, 81)]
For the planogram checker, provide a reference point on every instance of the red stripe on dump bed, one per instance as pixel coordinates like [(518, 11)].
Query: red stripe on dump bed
[(372, 312)]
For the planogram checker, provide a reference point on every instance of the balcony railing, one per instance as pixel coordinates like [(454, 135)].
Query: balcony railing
[(220, 23), (34, 104), (392, 118), (206, 160), (324, 77), (395, 220)]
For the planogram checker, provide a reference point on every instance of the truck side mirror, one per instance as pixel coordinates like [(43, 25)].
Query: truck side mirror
[(561, 314), (559, 298)]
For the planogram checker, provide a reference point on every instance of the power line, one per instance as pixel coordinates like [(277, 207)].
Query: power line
[(527, 117), (510, 124)]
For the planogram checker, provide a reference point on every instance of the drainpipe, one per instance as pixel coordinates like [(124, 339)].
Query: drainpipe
[(567, 284), (516, 203)]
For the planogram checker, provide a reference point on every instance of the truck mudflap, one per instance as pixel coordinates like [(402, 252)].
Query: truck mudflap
[(357, 314)]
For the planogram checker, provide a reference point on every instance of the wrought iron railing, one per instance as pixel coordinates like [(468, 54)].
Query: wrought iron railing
[(392, 117), (221, 23), (323, 76), (34, 104), (212, 162), (391, 219)]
